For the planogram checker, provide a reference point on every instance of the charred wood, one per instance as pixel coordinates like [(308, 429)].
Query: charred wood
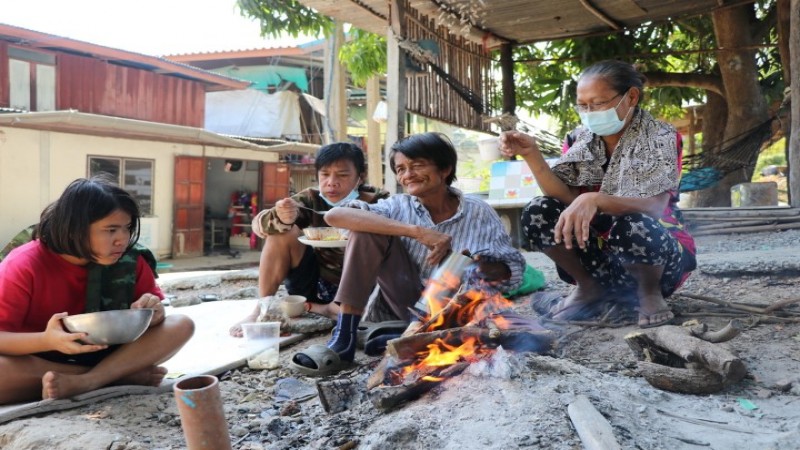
[(407, 347)]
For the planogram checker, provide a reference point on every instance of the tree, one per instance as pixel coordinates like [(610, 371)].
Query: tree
[(364, 54), (741, 85)]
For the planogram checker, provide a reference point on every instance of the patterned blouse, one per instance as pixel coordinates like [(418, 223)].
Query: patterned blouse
[(646, 163)]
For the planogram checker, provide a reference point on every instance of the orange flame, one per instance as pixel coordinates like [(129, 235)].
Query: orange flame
[(475, 306), (434, 295)]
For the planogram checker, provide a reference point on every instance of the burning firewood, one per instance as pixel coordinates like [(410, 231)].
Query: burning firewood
[(388, 396), (408, 347), (672, 359)]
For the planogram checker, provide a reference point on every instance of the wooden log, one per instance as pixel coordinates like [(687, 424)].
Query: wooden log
[(337, 395), (726, 333), (379, 374), (593, 429), (679, 345), (388, 397), (689, 380), (775, 227), (407, 347)]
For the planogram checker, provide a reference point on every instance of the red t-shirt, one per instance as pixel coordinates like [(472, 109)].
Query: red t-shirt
[(36, 283)]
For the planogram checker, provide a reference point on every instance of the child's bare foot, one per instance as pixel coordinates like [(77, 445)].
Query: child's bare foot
[(325, 309), (236, 329), (149, 376), (64, 385)]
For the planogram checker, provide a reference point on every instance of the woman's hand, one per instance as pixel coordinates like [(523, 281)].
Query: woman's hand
[(514, 143), (574, 222), (65, 342), (153, 302)]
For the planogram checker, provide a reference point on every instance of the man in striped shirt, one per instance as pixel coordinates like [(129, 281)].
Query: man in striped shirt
[(397, 242)]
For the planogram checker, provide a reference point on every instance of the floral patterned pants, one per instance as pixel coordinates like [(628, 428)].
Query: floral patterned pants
[(614, 242)]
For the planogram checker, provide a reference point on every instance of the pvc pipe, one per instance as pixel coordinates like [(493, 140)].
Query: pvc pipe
[(202, 417)]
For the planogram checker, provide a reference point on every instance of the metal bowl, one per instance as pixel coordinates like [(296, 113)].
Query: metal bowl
[(110, 327)]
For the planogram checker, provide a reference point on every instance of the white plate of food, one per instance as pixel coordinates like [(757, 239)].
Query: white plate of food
[(338, 243)]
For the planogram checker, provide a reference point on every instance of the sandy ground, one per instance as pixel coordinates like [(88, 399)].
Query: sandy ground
[(521, 402)]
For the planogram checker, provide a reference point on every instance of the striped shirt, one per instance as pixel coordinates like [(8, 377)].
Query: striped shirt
[(474, 227)]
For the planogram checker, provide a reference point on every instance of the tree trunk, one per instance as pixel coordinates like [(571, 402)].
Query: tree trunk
[(746, 105), (794, 140), (715, 114)]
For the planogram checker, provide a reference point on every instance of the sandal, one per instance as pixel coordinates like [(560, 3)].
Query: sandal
[(317, 361), (545, 302), (371, 330), (645, 322)]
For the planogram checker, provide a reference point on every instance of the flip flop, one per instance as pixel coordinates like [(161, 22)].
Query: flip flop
[(371, 330), (324, 360), (645, 316), (544, 302), (580, 311)]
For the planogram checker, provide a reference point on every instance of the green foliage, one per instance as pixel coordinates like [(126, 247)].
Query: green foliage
[(546, 84), (774, 155), (281, 17), (364, 56)]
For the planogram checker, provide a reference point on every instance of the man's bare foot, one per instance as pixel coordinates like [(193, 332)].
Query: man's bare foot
[(236, 329), (149, 376), (64, 385), (325, 309)]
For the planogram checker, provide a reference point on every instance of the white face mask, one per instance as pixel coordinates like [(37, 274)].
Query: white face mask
[(605, 123), (351, 196)]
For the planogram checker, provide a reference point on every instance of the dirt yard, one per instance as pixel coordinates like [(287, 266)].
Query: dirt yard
[(517, 401)]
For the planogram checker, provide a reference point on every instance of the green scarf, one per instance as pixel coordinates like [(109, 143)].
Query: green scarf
[(112, 287)]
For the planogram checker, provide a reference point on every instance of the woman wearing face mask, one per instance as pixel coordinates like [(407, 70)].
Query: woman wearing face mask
[(608, 217)]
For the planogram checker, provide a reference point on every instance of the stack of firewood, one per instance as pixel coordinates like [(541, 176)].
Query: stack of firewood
[(706, 221)]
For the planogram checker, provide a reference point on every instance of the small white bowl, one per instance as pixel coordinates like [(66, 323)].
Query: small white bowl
[(293, 305)]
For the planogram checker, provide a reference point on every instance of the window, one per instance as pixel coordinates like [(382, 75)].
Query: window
[(31, 80), (133, 175)]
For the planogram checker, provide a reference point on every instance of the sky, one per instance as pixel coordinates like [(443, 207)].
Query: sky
[(152, 27)]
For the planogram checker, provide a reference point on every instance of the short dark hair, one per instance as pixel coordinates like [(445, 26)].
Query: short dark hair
[(64, 224), (619, 74), (327, 154), (433, 146)]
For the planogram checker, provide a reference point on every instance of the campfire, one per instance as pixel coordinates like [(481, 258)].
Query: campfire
[(459, 331)]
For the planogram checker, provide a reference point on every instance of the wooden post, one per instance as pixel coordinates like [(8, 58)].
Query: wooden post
[(374, 153), (794, 139), (507, 69), (335, 92), (396, 88)]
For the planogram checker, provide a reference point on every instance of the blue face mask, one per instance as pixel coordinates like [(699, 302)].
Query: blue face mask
[(351, 196), (604, 123)]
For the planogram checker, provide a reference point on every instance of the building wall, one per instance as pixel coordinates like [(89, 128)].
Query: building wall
[(98, 87), (36, 166)]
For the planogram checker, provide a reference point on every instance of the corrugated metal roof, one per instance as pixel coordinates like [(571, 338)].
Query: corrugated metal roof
[(36, 39), (71, 121), (493, 22)]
